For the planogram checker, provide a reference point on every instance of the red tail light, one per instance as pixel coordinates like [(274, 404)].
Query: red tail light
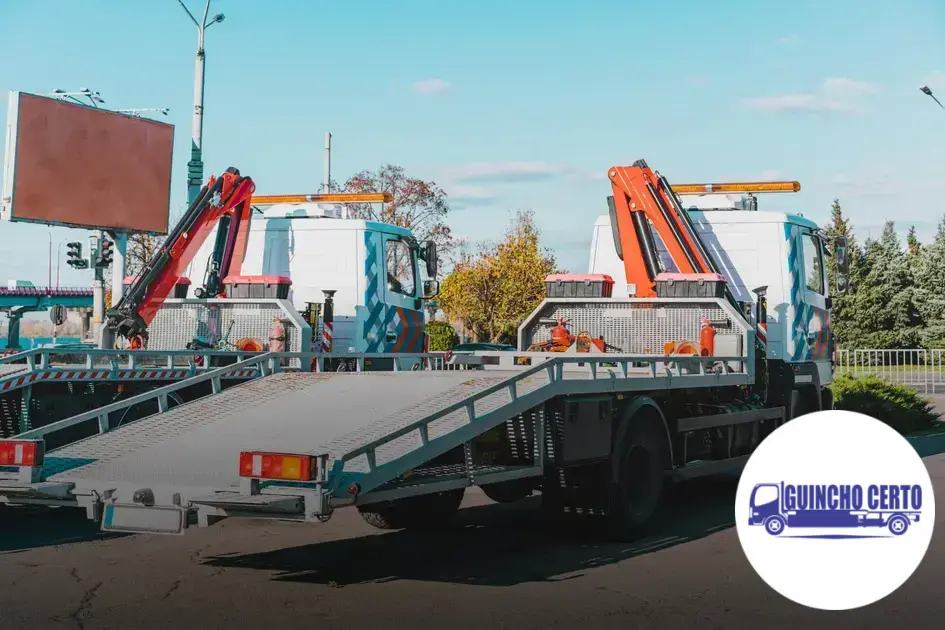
[(22, 452), (282, 466)]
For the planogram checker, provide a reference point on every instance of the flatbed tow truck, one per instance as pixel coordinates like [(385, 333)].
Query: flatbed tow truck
[(597, 432)]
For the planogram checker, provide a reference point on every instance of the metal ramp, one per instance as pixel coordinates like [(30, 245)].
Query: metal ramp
[(194, 448)]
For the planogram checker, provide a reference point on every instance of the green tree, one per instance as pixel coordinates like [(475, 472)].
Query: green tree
[(492, 291), (930, 287), (843, 310), (885, 314)]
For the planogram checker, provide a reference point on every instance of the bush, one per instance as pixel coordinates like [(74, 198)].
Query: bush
[(899, 406), (442, 336)]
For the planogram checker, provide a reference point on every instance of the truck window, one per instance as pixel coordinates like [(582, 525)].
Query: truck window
[(813, 264), (401, 277), (765, 495)]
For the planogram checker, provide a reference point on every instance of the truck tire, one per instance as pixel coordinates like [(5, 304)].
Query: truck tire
[(425, 512), (898, 525), (804, 400), (509, 491), (638, 492), (774, 525)]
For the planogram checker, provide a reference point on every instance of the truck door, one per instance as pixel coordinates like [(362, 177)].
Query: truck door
[(810, 322), (393, 320)]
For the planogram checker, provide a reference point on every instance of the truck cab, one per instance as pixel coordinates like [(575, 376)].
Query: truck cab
[(783, 253), (375, 270)]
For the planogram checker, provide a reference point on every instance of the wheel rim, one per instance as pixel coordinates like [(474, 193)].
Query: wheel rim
[(774, 526), (898, 526)]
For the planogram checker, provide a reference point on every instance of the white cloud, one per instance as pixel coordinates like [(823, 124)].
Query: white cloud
[(430, 86), (837, 94), (460, 195), (507, 172)]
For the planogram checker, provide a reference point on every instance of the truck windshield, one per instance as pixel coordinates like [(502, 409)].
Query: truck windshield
[(763, 495)]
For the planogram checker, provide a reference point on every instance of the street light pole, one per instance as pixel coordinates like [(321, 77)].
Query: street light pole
[(195, 166), (928, 92)]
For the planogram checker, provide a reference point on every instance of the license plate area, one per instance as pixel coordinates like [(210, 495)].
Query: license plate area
[(132, 518)]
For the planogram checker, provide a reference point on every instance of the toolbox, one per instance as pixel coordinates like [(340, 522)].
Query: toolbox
[(567, 285)]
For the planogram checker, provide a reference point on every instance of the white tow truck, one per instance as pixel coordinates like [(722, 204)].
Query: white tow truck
[(597, 432)]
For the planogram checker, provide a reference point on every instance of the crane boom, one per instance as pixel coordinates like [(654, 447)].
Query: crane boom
[(224, 202)]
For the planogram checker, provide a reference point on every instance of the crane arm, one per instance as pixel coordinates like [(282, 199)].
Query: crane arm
[(642, 197), (223, 202)]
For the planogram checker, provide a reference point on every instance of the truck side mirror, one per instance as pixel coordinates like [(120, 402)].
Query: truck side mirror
[(842, 257), (430, 256), (431, 289)]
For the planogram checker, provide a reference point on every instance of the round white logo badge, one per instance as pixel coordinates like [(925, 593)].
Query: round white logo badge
[(835, 510)]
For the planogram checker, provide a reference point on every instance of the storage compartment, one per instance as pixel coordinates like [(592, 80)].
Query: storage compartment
[(180, 288), (686, 285), (579, 286), (257, 287)]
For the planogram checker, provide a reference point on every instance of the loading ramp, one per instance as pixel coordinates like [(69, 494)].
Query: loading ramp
[(371, 429)]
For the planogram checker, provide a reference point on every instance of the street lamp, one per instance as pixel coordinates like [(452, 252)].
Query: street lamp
[(195, 166), (93, 96), (137, 112), (928, 92)]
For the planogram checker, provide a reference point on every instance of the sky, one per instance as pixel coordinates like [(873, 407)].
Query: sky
[(516, 105)]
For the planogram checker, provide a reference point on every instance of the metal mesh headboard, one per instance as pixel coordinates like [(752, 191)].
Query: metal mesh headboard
[(178, 322), (630, 326)]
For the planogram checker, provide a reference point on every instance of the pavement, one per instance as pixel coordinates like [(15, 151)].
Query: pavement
[(501, 567)]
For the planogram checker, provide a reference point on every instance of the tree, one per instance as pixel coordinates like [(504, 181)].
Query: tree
[(141, 248), (885, 314), (842, 312), (419, 206), (930, 289), (493, 291)]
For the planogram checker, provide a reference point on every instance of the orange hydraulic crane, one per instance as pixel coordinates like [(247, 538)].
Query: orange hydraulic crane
[(643, 197)]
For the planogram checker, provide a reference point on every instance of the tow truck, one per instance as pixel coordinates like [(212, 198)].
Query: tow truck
[(597, 432), (348, 290)]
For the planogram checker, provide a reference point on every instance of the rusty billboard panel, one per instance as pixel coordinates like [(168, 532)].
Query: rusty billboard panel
[(68, 164)]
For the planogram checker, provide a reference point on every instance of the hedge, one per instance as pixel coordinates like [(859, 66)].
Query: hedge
[(442, 336), (899, 406)]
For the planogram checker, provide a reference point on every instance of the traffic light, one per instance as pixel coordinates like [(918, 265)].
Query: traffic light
[(74, 255), (105, 253)]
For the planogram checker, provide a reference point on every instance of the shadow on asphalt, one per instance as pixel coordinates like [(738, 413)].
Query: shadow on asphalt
[(493, 545), (23, 528)]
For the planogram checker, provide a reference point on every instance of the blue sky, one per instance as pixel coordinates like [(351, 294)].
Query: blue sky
[(523, 104)]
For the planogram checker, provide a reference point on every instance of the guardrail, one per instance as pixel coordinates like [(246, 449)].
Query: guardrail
[(918, 368)]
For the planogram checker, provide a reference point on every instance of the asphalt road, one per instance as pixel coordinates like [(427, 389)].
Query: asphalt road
[(500, 568)]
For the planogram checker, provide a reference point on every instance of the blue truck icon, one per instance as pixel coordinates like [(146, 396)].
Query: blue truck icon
[(778, 506)]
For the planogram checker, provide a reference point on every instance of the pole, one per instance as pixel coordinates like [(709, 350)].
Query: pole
[(328, 317), (326, 185), (195, 166), (58, 262), (49, 264), (119, 265)]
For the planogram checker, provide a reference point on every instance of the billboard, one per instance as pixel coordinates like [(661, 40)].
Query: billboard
[(77, 166)]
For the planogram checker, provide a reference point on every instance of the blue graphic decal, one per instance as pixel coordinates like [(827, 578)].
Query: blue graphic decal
[(781, 506)]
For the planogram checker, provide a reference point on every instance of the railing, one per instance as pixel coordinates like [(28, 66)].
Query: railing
[(921, 369)]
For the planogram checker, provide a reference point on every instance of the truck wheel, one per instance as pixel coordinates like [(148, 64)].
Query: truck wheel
[(898, 525), (509, 491), (774, 525), (639, 489), (425, 512)]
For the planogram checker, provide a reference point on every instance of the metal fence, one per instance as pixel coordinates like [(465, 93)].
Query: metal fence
[(922, 369)]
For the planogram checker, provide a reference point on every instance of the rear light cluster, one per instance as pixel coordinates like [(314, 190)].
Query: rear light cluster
[(281, 466), (21, 452)]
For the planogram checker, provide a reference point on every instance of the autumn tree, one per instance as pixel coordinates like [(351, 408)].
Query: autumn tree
[(419, 206), (493, 291)]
